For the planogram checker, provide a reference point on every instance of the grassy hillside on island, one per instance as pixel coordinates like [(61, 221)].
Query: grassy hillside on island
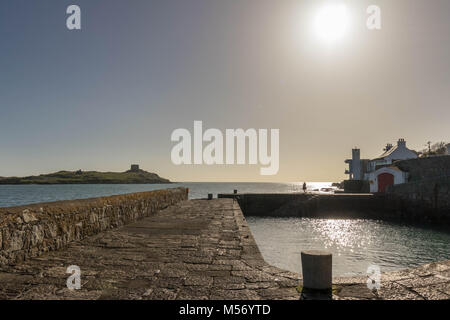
[(88, 177)]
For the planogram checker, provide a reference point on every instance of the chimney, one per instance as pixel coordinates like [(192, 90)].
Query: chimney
[(401, 143), (388, 147)]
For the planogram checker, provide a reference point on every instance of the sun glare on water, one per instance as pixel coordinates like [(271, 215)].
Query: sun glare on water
[(331, 23)]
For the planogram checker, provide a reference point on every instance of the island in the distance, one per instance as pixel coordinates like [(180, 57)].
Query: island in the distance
[(132, 176)]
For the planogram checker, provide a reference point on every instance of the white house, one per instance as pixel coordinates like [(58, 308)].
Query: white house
[(381, 172), (391, 154)]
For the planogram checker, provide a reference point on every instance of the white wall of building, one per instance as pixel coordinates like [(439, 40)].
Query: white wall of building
[(399, 177), (354, 170), (356, 159)]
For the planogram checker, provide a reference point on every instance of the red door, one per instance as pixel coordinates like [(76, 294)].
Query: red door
[(384, 180)]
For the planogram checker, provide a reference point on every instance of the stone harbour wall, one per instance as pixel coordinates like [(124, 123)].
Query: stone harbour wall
[(31, 230), (424, 200), (312, 205), (426, 168), (412, 203), (260, 204)]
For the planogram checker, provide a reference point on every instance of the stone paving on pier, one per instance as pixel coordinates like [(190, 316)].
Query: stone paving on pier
[(196, 249)]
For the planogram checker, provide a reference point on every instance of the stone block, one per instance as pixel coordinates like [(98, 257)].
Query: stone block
[(317, 269)]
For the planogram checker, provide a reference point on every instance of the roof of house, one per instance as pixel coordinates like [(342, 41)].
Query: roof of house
[(391, 151), (387, 153)]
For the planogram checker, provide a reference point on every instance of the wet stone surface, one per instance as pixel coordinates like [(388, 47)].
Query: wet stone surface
[(196, 249)]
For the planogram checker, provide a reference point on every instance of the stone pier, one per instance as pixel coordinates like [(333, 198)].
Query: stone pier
[(195, 249), (345, 205)]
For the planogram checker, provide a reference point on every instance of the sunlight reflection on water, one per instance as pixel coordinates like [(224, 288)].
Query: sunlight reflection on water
[(355, 244)]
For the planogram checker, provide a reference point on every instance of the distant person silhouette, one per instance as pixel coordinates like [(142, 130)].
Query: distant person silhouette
[(304, 187)]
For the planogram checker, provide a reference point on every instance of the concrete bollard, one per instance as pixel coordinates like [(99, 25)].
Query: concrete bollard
[(210, 196), (317, 269)]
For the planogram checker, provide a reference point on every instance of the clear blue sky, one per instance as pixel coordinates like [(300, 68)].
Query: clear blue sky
[(111, 94)]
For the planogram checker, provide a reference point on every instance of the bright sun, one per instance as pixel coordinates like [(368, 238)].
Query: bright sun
[(331, 22)]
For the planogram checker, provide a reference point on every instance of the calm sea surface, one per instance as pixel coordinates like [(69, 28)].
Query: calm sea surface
[(15, 195), (355, 244)]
